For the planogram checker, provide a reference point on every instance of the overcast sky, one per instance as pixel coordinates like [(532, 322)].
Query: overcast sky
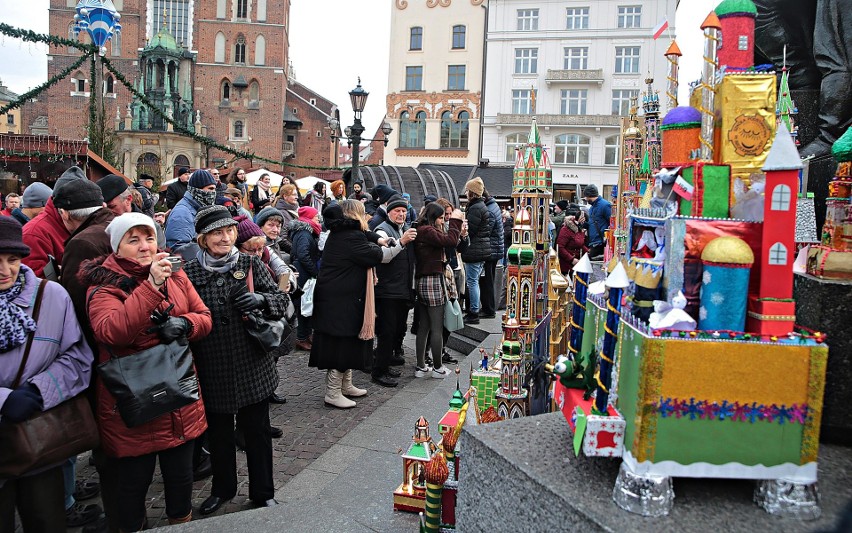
[(332, 42)]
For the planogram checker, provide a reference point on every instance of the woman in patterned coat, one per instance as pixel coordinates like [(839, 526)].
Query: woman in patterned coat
[(236, 375)]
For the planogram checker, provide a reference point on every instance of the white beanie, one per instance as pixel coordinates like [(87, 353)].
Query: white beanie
[(124, 223)]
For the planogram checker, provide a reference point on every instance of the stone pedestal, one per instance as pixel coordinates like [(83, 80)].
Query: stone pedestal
[(826, 306), (522, 475)]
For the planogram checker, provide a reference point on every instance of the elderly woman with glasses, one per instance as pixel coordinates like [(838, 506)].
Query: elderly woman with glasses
[(236, 374)]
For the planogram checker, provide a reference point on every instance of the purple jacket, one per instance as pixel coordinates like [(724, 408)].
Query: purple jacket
[(60, 362)]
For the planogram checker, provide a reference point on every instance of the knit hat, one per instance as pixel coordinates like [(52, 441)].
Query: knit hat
[(396, 201), (265, 214), (476, 186), (121, 224), (307, 212), (201, 178), (78, 195), (72, 174), (406, 196), (11, 237), (429, 198), (36, 195), (182, 171), (213, 217), (562, 204), (112, 185), (229, 204), (590, 191), (246, 229), (382, 192)]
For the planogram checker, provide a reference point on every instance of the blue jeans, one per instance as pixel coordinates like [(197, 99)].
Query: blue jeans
[(472, 272)]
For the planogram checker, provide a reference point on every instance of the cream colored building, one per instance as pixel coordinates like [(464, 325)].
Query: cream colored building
[(435, 81), (574, 65), (11, 121)]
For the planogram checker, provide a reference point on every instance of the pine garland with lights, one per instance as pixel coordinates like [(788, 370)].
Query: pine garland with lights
[(33, 37)]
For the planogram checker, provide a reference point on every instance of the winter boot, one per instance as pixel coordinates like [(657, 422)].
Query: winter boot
[(183, 520), (333, 396), (348, 389)]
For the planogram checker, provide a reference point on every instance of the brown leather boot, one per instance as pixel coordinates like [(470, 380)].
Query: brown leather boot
[(183, 520)]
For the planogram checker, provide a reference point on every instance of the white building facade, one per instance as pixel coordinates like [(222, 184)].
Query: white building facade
[(435, 81), (574, 65)]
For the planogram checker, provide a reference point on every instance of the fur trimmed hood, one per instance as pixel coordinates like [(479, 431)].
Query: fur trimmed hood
[(105, 271)]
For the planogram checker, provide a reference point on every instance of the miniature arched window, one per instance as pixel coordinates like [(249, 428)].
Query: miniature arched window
[(109, 85), (220, 9), (513, 293), (226, 90), (240, 50), (219, 48), (611, 147), (543, 227), (572, 149), (148, 163), (516, 387), (412, 133), (777, 254), (514, 141), (781, 198), (260, 50), (526, 296), (503, 411), (517, 412)]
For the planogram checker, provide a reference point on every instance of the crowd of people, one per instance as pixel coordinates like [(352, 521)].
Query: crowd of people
[(123, 276)]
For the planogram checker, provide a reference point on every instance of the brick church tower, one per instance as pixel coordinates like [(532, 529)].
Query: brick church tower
[(240, 75)]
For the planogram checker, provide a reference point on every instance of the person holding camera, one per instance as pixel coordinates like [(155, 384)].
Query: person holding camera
[(138, 299)]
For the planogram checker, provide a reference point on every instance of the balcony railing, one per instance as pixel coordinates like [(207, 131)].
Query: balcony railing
[(289, 149), (575, 76), (560, 120)]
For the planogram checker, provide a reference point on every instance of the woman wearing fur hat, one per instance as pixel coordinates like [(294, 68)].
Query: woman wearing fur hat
[(58, 368)]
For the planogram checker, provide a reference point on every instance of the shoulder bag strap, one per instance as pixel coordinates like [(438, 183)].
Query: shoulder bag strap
[(31, 336)]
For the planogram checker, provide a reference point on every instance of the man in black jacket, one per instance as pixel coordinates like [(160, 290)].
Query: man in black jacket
[(488, 298), (394, 293), (176, 190), (479, 223)]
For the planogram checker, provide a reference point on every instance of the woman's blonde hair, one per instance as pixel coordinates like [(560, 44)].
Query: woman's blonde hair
[(355, 210), (202, 238), (287, 190)]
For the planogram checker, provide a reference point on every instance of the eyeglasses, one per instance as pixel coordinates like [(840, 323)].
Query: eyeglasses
[(255, 251)]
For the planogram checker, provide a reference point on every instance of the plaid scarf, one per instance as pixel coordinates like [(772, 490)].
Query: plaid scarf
[(15, 323)]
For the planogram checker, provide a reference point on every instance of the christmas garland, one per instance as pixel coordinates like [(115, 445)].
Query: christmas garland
[(33, 37), (32, 93)]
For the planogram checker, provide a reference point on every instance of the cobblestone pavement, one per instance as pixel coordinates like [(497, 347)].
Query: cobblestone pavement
[(310, 428)]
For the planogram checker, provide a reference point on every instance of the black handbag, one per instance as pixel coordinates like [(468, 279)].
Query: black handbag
[(268, 333), (150, 383)]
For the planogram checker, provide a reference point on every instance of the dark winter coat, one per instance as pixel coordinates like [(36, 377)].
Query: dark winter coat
[(305, 254), (45, 234), (120, 314), (571, 243), (379, 217), (479, 225), (342, 281), (508, 224), (90, 241), (174, 192), (496, 228), (258, 204), (233, 371), (396, 279), (430, 244)]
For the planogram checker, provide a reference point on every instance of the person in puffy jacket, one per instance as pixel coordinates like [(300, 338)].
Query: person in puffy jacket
[(304, 256), (479, 222), (58, 368), (127, 288), (488, 296)]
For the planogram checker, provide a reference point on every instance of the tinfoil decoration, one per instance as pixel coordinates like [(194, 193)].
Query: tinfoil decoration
[(648, 495), (787, 499)]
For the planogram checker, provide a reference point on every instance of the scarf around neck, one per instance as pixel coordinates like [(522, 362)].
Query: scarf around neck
[(15, 323), (312, 223), (221, 264), (262, 191), (201, 196)]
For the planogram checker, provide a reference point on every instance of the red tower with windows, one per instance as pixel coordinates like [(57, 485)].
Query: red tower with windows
[(772, 310), (737, 20)]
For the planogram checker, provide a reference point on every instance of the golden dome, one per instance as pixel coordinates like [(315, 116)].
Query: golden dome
[(523, 218), (731, 250)]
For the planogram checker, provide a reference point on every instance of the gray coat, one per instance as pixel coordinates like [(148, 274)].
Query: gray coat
[(232, 370)]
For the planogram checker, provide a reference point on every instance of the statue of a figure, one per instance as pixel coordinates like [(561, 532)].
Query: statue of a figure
[(818, 35)]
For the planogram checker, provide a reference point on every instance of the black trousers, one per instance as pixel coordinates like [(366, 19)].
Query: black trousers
[(487, 297), (109, 479), (254, 421), (40, 500), (135, 475), (391, 319)]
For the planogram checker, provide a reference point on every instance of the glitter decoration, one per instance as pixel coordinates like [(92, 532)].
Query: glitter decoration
[(643, 495), (788, 499)]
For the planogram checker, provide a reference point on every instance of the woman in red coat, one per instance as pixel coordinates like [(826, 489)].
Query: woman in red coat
[(571, 241), (127, 287)]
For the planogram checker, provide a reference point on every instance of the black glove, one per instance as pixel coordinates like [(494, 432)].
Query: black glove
[(175, 327), (22, 403), (249, 301)]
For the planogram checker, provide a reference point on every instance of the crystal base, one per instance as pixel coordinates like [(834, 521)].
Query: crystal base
[(643, 495), (788, 499)]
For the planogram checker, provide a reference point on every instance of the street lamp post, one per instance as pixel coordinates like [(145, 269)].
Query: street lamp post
[(353, 133)]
